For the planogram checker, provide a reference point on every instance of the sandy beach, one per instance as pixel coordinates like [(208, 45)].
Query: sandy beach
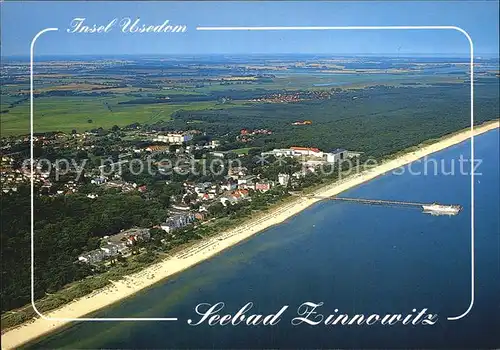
[(209, 247)]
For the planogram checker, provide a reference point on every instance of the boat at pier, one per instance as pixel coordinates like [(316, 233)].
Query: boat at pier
[(438, 209), (433, 208)]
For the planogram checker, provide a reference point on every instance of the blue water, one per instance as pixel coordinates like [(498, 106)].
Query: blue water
[(353, 257), (331, 84)]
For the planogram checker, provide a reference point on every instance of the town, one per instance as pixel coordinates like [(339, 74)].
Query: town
[(188, 170)]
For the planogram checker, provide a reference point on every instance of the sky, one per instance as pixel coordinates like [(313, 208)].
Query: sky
[(21, 21)]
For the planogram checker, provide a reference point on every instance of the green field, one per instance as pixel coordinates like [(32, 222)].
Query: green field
[(242, 150), (68, 113), (71, 99)]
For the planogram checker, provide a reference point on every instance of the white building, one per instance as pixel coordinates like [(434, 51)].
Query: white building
[(92, 257), (229, 186), (214, 143), (175, 139), (246, 179), (284, 152), (295, 152), (177, 221), (336, 155), (218, 154), (283, 179), (307, 151), (110, 249)]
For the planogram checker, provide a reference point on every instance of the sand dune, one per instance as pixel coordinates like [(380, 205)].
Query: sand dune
[(207, 248)]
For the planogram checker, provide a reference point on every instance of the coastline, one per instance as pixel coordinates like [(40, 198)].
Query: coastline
[(207, 248)]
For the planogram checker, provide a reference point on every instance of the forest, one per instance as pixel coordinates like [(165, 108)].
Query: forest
[(64, 228), (377, 121)]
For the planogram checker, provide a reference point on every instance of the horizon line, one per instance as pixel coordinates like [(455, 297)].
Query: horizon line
[(334, 54)]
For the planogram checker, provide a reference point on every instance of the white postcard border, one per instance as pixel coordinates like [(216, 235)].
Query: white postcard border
[(311, 28)]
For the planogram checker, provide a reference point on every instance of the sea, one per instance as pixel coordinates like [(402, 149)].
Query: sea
[(356, 258)]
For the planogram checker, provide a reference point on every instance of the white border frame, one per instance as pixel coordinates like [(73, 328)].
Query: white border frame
[(471, 45)]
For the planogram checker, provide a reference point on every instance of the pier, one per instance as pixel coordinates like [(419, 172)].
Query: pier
[(433, 208), (378, 202)]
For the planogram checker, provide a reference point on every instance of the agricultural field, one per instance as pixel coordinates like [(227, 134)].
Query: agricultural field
[(85, 113), (85, 95)]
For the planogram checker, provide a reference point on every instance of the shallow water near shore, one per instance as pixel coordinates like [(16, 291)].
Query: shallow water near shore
[(353, 257)]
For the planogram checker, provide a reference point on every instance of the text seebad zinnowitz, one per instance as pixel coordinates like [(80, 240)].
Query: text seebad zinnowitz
[(308, 313)]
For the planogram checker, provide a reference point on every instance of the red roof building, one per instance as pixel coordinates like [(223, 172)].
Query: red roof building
[(305, 149), (262, 186)]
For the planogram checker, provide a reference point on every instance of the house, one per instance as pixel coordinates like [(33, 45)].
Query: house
[(312, 163), (213, 189), (156, 148), (177, 221), (214, 143), (202, 187), (92, 257), (110, 249), (200, 216), (250, 185), (118, 244), (246, 179), (218, 154), (295, 152), (174, 138), (338, 154), (124, 186), (133, 235), (234, 197), (284, 152), (98, 180), (229, 185), (283, 179), (262, 186), (306, 151), (299, 174), (236, 172), (240, 194), (207, 196), (133, 240), (181, 207), (228, 199)]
